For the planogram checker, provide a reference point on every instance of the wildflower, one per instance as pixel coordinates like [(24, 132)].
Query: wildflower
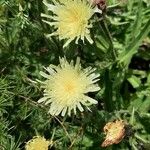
[(37, 143), (115, 132), (66, 86), (71, 19)]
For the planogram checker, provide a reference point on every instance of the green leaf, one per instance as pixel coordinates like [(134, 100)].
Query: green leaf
[(134, 81), (131, 49)]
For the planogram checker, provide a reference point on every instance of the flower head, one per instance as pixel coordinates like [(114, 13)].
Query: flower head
[(66, 86), (115, 132), (37, 143), (71, 19)]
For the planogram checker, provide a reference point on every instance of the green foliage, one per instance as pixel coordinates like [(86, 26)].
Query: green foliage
[(120, 53)]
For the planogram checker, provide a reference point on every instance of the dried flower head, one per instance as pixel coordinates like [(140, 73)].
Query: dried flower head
[(115, 132), (70, 19), (37, 143), (66, 86), (100, 3)]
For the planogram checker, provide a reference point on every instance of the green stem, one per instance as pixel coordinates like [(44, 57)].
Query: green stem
[(132, 117), (104, 27), (134, 147), (141, 139), (108, 92)]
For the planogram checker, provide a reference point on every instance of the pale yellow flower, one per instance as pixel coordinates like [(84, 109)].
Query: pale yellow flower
[(66, 87), (37, 143), (70, 19)]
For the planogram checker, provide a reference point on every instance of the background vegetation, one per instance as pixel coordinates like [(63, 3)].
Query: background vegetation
[(121, 53)]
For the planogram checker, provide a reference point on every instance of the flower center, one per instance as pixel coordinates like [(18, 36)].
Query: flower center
[(69, 87), (74, 16)]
